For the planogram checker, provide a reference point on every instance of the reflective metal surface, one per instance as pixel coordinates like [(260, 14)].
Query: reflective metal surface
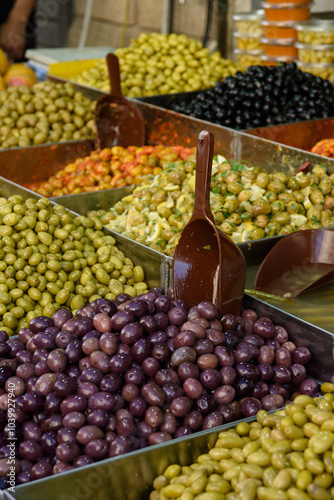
[(9, 188), (128, 477), (97, 200), (302, 135), (35, 164)]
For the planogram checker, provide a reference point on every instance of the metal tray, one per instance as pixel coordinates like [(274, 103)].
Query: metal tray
[(294, 140), (9, 188), (38, 163), (156, 265), (130, 476), (301, 135)]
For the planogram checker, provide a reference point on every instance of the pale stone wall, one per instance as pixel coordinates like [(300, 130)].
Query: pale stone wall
[(109, 26)]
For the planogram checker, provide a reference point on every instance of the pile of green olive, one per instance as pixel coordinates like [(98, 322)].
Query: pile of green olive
[(155, 64), (50, 258), (45, 113)]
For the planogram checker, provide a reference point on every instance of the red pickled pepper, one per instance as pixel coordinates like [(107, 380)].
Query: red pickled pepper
[(111, 167)]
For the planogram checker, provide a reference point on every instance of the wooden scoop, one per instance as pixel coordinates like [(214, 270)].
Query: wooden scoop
[(207, 265), (298, 263), (118, 120)]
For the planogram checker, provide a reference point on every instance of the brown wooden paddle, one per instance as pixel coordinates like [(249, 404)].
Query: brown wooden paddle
[(118, 120), (207, 264)]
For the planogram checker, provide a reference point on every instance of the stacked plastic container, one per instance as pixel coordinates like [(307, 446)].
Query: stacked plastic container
[(280, 31), (247, 38), (315, 45)]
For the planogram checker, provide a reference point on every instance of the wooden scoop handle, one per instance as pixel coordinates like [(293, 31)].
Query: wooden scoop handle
[(204, 156), (114, 77)]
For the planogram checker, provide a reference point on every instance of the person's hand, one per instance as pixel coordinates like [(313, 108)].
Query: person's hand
[(12, 38)]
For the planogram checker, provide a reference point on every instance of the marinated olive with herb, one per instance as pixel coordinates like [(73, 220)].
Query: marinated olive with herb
[(255, 212), (112, 167)]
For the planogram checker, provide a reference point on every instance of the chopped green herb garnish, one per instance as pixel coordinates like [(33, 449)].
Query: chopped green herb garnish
[(238, 167)]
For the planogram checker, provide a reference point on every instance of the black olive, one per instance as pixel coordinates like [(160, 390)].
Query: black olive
[(262, 96)]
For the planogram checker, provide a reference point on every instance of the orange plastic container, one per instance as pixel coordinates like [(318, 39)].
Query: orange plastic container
[(286, 12), (277, 49), (279, 30)]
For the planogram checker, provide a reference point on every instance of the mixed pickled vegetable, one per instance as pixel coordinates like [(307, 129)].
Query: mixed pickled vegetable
[(248, 203), (325, 147), (282, 456), (112, 167)]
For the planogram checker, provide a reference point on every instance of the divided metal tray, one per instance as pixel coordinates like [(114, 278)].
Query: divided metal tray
[(130, 477)]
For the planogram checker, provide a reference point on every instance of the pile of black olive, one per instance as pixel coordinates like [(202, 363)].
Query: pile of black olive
[(262, 96)]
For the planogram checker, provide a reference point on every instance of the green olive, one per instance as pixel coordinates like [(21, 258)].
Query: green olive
[(313, 214), (261, 207), (77, 302), (281, 218), (316, 196), (261, 220), (276, 186), (262, 180)]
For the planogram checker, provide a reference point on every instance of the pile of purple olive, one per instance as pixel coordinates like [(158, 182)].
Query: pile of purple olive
[(129, 373)]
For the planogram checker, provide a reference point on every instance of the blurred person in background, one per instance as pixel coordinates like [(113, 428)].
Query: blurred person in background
[(17, 27)]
